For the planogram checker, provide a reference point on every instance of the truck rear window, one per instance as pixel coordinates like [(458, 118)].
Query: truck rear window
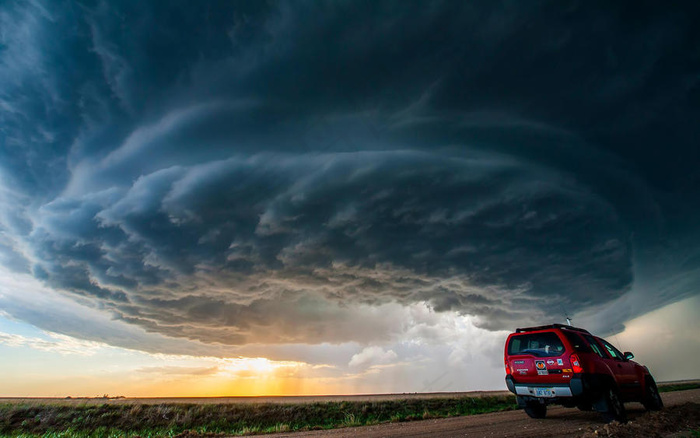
[(576, 341), (545, 344)]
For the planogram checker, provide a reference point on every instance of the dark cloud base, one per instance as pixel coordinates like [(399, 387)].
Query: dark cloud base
[(252, 172)]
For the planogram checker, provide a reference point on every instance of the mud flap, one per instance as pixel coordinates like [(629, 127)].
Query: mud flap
[(600, 404)]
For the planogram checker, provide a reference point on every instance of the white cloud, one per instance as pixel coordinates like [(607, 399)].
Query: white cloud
[(56, 344), (372, 356)]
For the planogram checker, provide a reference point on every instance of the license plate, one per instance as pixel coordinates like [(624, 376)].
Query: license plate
[(544, 392)]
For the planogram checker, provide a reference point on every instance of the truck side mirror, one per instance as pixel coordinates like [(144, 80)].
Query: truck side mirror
[(628, 355)]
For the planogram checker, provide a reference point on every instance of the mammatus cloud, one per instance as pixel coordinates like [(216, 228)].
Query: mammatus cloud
[(294, 174)]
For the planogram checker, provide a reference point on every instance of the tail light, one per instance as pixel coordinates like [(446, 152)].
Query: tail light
[(576, 364), (508, 370)]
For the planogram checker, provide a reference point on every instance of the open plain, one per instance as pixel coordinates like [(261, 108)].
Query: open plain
[(437, 414), (249, 400)]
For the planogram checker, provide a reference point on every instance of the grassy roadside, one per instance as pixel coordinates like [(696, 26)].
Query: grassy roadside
[(55, 420), (169, 420), (668, 387)]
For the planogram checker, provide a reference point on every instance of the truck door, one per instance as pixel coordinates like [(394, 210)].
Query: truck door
[(624, 370)]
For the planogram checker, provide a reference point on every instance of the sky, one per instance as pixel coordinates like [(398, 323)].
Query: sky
[(279, 198)]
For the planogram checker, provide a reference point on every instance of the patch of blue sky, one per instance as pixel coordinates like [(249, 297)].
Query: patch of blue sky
[(12, 326)]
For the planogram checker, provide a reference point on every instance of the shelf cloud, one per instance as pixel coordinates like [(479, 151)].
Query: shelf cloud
[(284, 173)]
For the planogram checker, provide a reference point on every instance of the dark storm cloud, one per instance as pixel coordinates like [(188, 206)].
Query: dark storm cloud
[(258, 172), (231, 246)]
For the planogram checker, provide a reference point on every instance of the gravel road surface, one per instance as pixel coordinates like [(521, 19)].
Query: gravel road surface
[(559, 422)]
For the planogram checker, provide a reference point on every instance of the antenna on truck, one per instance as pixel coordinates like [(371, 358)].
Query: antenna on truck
[(566, 315)]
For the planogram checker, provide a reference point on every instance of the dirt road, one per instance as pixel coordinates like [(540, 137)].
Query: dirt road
[(559, 422)]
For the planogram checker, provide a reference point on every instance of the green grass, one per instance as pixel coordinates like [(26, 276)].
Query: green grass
[(168, 420), (678, 387)]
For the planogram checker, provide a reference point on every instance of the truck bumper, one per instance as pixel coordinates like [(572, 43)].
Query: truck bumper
[(580, 386)]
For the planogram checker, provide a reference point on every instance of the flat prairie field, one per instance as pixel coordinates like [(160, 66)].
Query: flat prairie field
[(249, 400), (111, 417), (300, 399)]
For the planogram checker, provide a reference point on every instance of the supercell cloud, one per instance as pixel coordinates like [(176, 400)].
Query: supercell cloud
[(282, 172)]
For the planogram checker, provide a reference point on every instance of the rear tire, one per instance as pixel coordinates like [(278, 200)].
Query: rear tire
[(652, 399), (614, 408), (536, 410)]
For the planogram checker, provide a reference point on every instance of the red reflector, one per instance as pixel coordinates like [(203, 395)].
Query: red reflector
[(508, 370), (576, 364)]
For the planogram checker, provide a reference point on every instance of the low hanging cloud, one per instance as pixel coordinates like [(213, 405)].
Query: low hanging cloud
[(293, 172)]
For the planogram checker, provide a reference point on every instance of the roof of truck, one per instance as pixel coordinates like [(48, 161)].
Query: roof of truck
[(551, 326)]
